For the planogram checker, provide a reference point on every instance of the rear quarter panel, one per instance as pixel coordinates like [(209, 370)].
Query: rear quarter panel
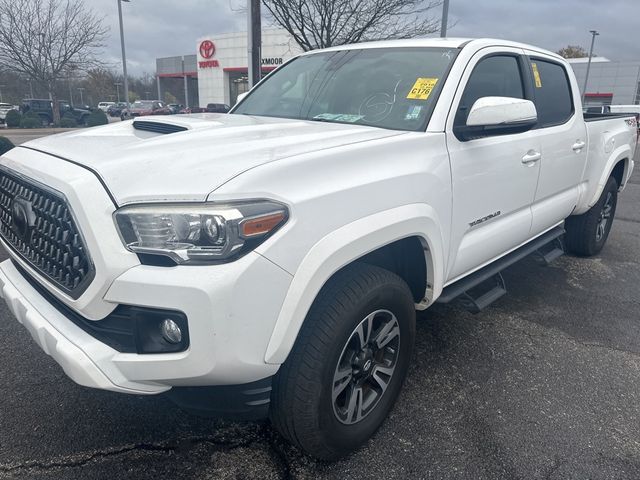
[(610, 141)]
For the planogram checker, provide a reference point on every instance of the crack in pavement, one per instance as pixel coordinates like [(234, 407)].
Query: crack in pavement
[(263, 437)]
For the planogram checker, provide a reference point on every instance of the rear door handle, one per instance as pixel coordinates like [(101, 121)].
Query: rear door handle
[(579, 145), (531, 157)]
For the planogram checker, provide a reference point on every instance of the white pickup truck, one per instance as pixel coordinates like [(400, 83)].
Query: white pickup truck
[(271, 261)]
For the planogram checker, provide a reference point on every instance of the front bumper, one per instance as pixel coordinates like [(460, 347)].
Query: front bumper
[(231, 310)]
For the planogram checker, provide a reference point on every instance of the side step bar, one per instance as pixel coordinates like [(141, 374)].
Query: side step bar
[(546, 248)]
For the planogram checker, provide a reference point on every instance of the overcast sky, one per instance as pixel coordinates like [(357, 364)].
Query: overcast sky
[(162, 28)]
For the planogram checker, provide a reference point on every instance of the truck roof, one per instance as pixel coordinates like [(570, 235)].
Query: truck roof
[(455, 42)]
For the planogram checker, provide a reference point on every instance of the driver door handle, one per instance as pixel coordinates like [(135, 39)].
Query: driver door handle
[(531, 157)]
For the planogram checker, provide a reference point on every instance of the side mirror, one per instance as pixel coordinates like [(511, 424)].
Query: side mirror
[(499, 116)]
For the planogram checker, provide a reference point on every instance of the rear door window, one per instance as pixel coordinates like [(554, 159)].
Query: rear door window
[(552, 93)]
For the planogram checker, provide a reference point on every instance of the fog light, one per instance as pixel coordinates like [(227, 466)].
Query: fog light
[(171, 331)]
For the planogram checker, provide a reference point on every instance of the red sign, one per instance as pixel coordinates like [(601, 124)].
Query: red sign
[(209, 64), (207, 49)]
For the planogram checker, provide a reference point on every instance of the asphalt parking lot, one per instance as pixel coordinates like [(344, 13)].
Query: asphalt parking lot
[(545, 384)]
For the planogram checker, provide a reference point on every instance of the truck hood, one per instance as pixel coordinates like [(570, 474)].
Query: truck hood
[(143, 166)]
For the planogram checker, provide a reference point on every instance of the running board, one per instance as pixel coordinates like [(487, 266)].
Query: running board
[(546, 247)]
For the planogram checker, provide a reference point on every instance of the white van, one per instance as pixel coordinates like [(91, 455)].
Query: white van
[(104, 106)]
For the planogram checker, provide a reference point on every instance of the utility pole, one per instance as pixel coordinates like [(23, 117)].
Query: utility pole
[(445, 18), (124, 55), (254, 41), (594, 34)]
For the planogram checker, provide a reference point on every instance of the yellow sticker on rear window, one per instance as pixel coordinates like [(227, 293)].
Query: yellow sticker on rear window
[(536, 75), (422, 88)]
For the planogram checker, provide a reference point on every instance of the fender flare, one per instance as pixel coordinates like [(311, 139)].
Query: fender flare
[(621, 153), (340, 248)]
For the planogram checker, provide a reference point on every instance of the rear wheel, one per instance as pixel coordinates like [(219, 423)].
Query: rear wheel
[(348, 364), (587, 233)]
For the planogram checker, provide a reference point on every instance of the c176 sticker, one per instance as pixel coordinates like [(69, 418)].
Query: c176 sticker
[(536, 75), (422, 88)]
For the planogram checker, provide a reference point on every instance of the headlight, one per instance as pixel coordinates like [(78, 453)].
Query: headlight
[(199, 233)]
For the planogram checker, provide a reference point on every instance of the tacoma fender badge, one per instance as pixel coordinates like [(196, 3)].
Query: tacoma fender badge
[(485, 219)]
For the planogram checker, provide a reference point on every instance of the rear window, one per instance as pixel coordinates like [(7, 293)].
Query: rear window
[(552, 93)]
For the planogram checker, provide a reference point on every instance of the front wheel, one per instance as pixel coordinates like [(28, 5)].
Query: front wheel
[(587, 233), (347, 367)]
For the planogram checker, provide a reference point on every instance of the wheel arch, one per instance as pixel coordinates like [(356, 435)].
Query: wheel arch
[(619, 163), (375, 239)]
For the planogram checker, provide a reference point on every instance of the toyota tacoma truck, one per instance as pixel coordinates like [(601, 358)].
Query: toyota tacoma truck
[(270, 261)]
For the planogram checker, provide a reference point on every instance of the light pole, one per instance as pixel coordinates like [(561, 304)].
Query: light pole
[(254, 21), (81, 89), (124, 55), (118, 85), (1, 87), (445, 18), (594, 34)]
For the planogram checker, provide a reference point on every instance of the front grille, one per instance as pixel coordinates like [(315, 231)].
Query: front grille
[(157, 127), (37, 223)]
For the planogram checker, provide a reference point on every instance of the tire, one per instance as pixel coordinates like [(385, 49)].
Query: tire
[(303, 408), (588, 233)]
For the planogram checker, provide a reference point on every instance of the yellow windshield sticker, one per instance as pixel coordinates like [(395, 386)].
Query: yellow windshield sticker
[(536, 75), (422, 88)]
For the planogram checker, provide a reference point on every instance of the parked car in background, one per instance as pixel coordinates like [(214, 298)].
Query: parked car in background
[(141, 108), (218, 108), (116, 109), (188, 110), (175, 108), (43, 108), (4, 109), (104, 106)]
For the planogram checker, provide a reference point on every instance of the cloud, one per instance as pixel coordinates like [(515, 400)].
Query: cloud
[(160, 28), (553, 24)]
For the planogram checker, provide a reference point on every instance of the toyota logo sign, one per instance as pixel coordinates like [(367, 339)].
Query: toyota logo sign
[(207, 49)]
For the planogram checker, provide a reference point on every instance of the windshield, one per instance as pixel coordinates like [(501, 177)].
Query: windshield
[(393, 88)]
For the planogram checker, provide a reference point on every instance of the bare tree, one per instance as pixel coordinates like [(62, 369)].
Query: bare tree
[(44, 39), (572, 51), (325, 23)]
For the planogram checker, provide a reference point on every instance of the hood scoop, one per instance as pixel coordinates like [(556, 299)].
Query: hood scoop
[(158, 127)]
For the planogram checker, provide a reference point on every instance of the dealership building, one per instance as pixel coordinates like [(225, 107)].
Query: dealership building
[(610, 82), (218, 72)]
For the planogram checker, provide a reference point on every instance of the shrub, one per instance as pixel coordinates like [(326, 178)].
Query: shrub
[(97, 118), (13, 119), (68, 121), (5, 145), (30, 120)]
